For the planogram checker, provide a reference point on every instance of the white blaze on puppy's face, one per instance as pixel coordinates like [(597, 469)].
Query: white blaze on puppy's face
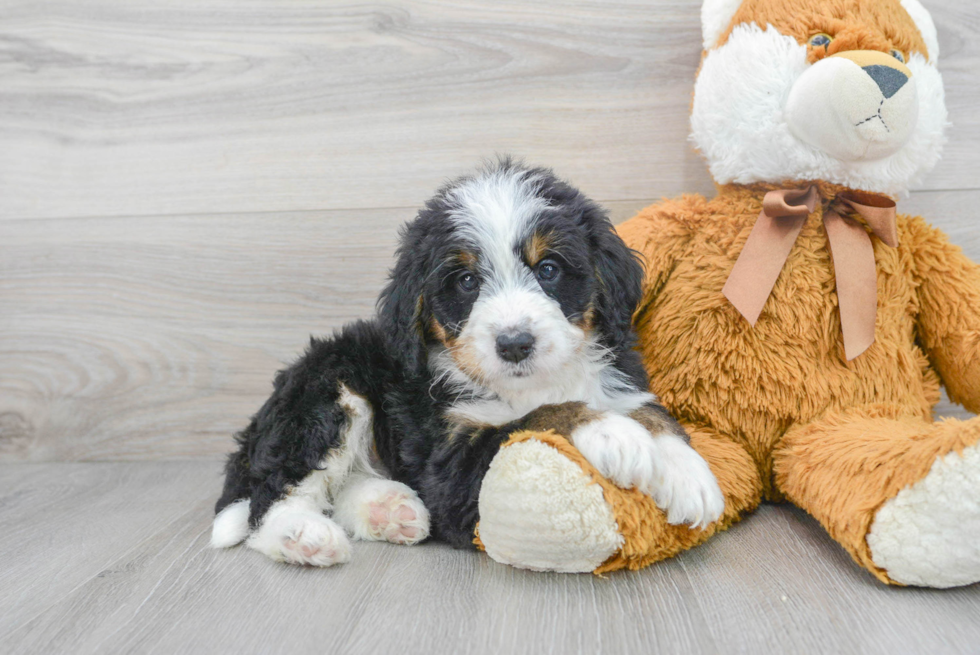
[(518, 313), (495, 215)]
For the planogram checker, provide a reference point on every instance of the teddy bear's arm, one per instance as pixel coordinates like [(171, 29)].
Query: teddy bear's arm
[(661, 233), (949, 310)]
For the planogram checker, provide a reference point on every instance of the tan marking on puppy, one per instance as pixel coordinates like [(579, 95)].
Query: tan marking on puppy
[(468, 360), (587, 320), (439, 332), (459, 427), (419, 328), (656, 420), (853, 24), (536, 247), (467, 259), (562, 418)]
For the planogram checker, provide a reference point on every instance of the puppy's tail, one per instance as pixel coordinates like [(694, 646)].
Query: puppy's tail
[(230, 526)]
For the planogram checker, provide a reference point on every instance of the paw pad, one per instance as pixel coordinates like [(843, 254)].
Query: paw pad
[(396, 518)]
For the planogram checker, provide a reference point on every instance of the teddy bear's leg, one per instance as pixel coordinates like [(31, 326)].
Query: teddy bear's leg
[(544, 506), (648, 536), (541, 508), (900, 494)]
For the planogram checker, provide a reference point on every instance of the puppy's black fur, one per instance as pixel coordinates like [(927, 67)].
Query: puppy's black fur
[(386, 362)]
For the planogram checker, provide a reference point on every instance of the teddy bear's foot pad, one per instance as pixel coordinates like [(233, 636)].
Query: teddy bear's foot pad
[(540, 511), (929, 533)]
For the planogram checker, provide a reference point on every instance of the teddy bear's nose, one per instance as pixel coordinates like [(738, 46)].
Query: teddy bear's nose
[(888, 79), (887, 72)]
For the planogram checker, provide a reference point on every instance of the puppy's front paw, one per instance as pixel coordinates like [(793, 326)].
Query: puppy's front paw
[(301, 536), (621, 449), (687, 489), (663, 467)]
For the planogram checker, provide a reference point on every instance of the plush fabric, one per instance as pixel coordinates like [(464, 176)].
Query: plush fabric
[(551, 521), (776, 409), (837, 438)]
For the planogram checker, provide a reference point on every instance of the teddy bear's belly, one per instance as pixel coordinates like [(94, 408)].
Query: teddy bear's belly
[(712, 368)]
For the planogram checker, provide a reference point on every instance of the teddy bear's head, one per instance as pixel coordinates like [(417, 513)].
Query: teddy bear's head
[(845, 91)]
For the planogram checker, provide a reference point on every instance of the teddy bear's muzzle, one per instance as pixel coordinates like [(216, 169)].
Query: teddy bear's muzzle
[(855, 106)]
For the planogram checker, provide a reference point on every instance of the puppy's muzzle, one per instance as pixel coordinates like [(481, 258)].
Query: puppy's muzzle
[(515, 348)]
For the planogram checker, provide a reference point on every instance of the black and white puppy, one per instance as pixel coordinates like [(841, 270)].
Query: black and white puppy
[(509, 308)]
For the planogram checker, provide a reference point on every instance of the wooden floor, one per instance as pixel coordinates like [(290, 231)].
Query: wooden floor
[(188, 189), (114, 557)]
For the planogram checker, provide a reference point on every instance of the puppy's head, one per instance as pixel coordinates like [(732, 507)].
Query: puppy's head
[(840, 90), (511, 276)]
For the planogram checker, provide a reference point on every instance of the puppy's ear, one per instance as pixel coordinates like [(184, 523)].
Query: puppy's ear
[(401, 305), (620, 279)]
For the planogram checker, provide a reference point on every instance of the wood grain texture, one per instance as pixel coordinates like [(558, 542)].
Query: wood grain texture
[(65, 525), (112, 109), (156, 338), (126, 567), (146, 338), (189, 189)]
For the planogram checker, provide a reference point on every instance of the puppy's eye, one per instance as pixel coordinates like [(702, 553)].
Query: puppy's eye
[(899, 55), (820, 40), (468, 282), (547, 271)]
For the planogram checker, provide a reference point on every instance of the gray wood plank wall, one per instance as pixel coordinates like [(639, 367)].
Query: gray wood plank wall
[(189, 189)]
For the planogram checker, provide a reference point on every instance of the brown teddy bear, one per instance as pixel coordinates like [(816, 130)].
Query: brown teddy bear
[(795, 324)]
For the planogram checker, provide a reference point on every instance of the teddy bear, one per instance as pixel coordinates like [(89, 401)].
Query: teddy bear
[(796, 324)]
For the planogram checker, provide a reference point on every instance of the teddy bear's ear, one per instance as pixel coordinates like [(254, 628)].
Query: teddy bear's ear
[(923, 20), (716, 16)]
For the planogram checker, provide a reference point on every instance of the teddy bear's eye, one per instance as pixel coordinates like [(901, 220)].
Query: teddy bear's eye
[(899, 55), (820, 40)]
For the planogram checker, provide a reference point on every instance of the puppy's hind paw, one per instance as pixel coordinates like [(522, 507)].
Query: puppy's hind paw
[(399, 519), (383, 510), (301, 536)]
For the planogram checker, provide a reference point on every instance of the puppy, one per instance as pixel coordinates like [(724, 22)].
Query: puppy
[(509, 308)]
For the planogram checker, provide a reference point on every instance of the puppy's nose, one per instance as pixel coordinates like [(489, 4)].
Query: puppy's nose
[(888, 79), (515, 347)]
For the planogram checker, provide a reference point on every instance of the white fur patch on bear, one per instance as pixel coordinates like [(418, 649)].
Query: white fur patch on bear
[(716, 15), (929, 534), (540, 511), (923, 20), (739, 119)]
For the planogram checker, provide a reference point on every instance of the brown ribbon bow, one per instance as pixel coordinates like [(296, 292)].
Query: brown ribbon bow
[(783, 214)]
